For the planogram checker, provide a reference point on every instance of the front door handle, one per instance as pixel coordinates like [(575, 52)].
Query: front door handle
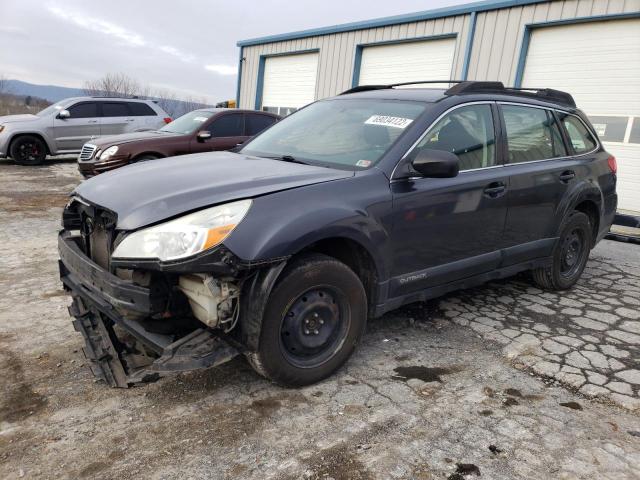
[(495, 189), (92, 121), (567, 176)]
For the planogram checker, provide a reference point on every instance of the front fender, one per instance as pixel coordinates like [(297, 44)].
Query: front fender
[(284, 223)]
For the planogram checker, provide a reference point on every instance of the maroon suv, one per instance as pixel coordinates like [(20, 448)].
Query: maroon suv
[(202, 130)]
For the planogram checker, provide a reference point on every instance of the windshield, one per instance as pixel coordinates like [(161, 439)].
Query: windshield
[(188, 123), (352, 133), (55, 108)]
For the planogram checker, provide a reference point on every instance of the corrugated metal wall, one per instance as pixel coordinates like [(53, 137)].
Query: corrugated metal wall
[(498, 37), (494, 55), (337, 53)]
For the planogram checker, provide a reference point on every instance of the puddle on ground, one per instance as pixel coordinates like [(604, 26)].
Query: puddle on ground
[(463, 470), (571, 405), (18, 400), (426, 374)]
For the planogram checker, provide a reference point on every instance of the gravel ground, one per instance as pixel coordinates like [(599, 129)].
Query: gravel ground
[(500, 382)]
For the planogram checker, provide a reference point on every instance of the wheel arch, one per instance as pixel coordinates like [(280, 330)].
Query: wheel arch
[(17, 135), (585, 198), (149, 152), (257, 288)]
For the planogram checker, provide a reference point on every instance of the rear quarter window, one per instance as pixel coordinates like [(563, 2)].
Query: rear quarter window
[(581, 139)]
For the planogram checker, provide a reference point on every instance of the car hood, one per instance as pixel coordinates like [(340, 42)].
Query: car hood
[(27, 117), (149, 192), (123, 138)]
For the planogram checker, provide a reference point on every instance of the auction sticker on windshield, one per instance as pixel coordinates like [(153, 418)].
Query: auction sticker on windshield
[(388, 121), (200, 119)]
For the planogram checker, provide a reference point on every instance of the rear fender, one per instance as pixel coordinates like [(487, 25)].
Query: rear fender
[(581, 191)]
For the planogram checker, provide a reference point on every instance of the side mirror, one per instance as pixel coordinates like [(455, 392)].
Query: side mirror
[(436, 163), (62, 114), (203, 135)]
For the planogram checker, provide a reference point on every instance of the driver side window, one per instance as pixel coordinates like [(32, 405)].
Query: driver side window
[(466, 131)]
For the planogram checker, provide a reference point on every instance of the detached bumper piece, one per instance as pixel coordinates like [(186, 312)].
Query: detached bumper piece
[(98, 298)]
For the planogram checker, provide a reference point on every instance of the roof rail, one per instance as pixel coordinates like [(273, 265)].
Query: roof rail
[(465, 86), (364, 88), (548, 94)]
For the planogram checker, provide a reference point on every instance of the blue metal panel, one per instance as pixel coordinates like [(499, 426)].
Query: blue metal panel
[(394, 20), (467, 51), (358, 56), (240, 59), (522, 59), (263, 58)]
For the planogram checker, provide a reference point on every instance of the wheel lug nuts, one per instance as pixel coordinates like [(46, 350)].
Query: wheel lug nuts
[(306, 321), (321, 322), (316, 332), (315, 315), (306, 332)]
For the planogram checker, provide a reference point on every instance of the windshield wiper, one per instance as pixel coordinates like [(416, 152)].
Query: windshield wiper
[(288, 158)]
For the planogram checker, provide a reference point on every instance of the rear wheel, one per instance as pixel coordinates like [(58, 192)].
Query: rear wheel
[(314, 318), (28, 150), (570, 254)]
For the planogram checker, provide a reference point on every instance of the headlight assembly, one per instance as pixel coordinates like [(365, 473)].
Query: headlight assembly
[(1, 128), (184, 236), (109, 152)]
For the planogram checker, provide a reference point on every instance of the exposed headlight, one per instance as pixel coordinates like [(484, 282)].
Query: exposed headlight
[(1, 128), (184, 236), (109, 152)]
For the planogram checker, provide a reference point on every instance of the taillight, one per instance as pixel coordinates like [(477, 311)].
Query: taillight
[(167, 120), (613, 165)]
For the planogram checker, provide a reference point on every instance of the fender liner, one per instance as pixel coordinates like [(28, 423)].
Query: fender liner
[(253, 301)]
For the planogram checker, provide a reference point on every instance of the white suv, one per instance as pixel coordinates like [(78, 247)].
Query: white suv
[(64, 127)]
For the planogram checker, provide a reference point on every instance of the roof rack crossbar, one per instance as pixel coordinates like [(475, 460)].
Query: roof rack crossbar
[(364, 88), (547, 94)]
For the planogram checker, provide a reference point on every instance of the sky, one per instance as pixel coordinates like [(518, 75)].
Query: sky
[(186, 46)]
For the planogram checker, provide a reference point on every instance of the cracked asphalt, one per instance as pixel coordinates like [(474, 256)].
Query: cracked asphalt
[(503, 381)]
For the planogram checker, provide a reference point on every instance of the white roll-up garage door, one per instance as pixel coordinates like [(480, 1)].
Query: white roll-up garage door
[(599, 64), (289, 82), (406, 62)]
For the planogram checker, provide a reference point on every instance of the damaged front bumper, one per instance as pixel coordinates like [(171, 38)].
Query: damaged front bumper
[(104, 304)]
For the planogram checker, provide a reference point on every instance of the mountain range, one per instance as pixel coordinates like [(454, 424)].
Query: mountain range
[(52, 93)]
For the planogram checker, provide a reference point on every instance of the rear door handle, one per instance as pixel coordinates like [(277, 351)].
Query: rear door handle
[(92, 121), (567, 176), (495, 189)]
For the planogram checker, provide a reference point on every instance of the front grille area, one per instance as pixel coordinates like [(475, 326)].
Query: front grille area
[(87, 152), (97, 229)]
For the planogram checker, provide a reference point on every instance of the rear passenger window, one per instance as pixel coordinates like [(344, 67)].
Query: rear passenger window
[(532, 134), (138, 109), (581, 139), (467, 132), (83, 110), (115, 109), (229, 125), (256, 123)]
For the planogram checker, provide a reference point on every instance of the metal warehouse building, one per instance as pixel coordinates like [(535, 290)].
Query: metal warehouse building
[(590, 48)]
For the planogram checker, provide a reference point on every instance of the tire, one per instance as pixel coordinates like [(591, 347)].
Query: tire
[(314, 318), (28, 150), (570, 254)]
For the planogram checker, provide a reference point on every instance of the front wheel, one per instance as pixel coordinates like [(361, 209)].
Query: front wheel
[(570, 254), (315, 316), (28, 150)]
